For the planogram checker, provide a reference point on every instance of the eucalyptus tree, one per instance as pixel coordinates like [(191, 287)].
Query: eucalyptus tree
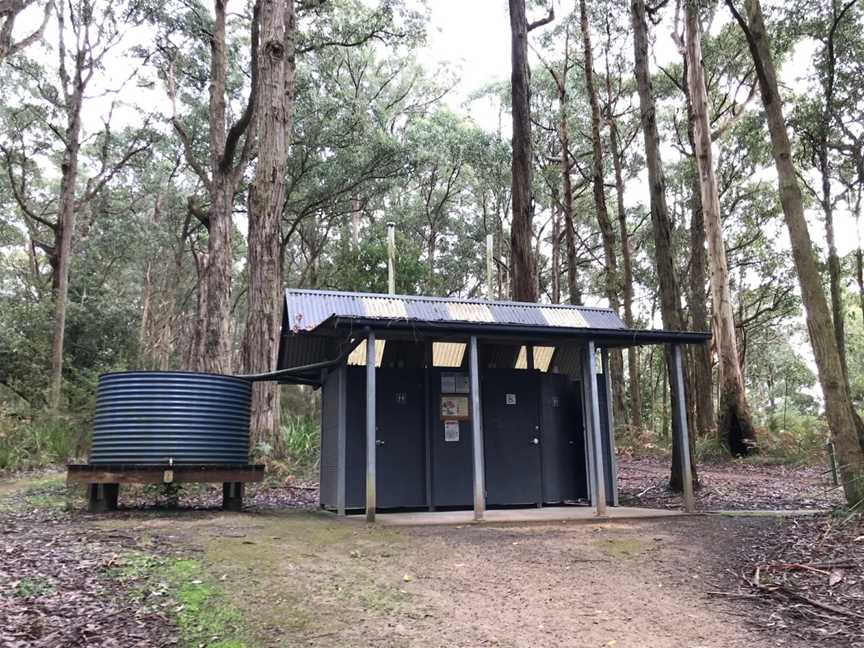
[(824, 118), (846, 427), (274, 86), (735, 421), (670, 296), (523, 271), (219, 155), (88, 33)]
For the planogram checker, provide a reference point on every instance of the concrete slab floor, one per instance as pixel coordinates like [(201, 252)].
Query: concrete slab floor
[(505, 516)]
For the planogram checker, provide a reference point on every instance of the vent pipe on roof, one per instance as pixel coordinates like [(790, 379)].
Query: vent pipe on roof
[(490, 242), (391, 258)]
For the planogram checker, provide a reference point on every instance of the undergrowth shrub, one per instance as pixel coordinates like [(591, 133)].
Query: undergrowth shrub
[(33, 442), (298, 452)]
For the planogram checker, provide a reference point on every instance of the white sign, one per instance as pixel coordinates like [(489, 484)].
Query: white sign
[(451, 430), (510, 399), (454, 383)]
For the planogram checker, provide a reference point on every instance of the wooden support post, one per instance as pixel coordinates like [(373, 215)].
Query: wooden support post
[(102, 498), (371, 432), (232, 496), (589, 372), (477, 432), (610, 432), (679, 426)]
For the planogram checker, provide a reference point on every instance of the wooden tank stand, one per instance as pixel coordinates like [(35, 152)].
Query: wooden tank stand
[(104, 480)]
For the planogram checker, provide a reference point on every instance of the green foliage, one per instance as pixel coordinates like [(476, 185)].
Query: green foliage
[(298, 454), (43, 440)]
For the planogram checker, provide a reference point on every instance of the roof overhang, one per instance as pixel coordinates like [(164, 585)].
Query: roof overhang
[(524, 334)]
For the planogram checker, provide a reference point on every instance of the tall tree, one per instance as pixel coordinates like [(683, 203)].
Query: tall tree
[(735, 421), (220, 177), (275, 104), (87, 34), (842, 418), (607, 231), (817, 134), (670, 297), (618, 162), (564, 197), (523, 271)]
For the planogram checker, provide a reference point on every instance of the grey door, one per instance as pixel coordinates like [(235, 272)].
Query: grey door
[(511, 430), (452, 460), (400, 459), (562, 441)]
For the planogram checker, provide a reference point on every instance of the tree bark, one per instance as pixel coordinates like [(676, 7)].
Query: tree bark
[(523, 267), (63, 248), (703, 391), (274, 112), (225, 170), (607, 232), (635, 419), (734, 420), (670, 299), (843, 421)]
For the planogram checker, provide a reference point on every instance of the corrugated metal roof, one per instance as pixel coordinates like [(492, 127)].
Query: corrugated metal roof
[(307, 309)]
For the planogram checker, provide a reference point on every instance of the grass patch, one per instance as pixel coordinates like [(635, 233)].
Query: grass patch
[(47, 492), (203, 615), (622, 548), (33, 587)]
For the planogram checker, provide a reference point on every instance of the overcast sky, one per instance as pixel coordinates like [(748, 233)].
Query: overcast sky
[(473, 37)]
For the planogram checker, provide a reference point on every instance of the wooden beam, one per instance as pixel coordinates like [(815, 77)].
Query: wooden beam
[(96, 474)]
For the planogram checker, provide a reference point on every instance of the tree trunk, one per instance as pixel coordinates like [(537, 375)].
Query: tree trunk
[(703, 393), (66, 212), (734, 420), (607, 232), (556, 247), (842, 419), (523, 271), (838, 311), (573, 293), (859, 252), (627, 276), (63, 247), (221, 182), (670, 299), (273, 112)]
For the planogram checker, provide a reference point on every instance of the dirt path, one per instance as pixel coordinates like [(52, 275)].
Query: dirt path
[(302, 579), (293, 578)]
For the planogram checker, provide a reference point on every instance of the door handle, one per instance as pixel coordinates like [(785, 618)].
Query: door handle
[(535, 441), (379, 442)]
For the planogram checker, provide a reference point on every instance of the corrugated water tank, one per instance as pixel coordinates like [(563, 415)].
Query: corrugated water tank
[(163, 417)]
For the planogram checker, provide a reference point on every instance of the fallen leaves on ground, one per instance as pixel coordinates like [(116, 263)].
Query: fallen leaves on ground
[(805, 578), (732, 486), (58, 585)]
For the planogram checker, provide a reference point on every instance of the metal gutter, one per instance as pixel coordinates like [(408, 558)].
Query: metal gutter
[(623, 337)]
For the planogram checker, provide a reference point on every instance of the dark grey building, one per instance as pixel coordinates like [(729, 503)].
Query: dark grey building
[(440, 403)]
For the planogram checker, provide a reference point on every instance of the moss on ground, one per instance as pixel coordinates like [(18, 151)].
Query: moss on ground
[(623, 548)]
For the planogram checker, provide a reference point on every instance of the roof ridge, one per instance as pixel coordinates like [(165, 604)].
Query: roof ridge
[(486, 302)]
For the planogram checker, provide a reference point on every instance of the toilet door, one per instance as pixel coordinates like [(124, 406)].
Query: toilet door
[(511, 430)]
